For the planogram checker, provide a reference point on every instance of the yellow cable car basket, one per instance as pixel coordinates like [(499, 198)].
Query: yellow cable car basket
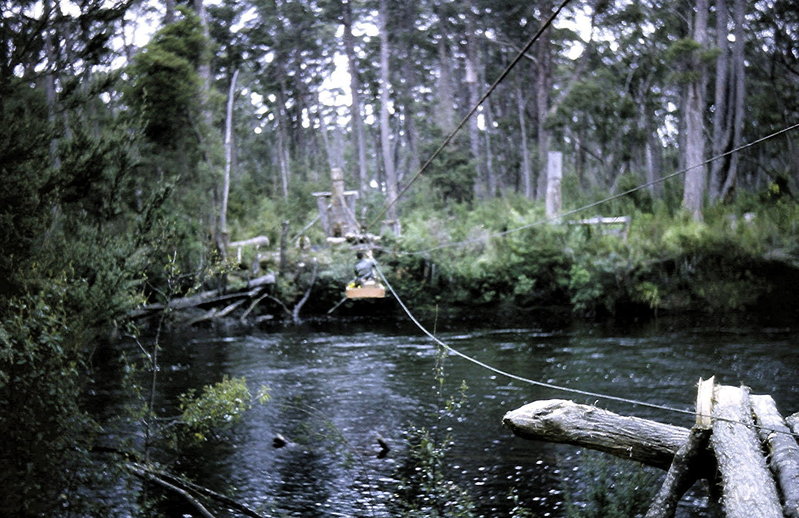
[(367, 290)]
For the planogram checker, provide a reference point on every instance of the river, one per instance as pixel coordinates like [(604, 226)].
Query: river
[(336, 387)]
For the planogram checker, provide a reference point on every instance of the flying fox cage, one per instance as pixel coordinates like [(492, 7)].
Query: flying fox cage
[(337, 208)]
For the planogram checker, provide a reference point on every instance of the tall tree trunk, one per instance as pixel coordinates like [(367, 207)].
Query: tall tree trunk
[(223, 237), (355, 107), (282, 142), (525, 172), (49, 79), (739, 72), (542, 84), (491, 176), (204, 68), (653, 159), (385, 129), (445, 102), (696, 177), (333, 155), (474, 96), (406, 91), (721, 131)]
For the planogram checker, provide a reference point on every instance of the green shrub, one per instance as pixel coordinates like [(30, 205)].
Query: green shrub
[(46, 435), (606, 487)]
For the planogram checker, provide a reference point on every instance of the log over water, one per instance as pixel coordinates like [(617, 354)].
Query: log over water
[(727, 449), (558, 420), (783, 451)]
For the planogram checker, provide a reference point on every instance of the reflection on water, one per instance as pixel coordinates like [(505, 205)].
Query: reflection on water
[(336, 388)]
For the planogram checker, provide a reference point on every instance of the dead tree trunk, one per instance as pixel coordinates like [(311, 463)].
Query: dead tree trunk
[(748, 489), (223, 237), (783, 452)]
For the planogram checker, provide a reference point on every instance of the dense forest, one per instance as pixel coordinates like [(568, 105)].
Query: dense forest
[(139, 138)]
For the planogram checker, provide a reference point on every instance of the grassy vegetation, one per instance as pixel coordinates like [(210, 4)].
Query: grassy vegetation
[(734, 260)]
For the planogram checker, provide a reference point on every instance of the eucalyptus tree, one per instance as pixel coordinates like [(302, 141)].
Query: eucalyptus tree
[(386, 145), (356, 105), (612, 111), (413, 60), (444, 109), (695, 91), (735, 105)]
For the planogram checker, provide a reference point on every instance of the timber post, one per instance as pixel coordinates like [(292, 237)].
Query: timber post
[(554, 175), (337, 208)]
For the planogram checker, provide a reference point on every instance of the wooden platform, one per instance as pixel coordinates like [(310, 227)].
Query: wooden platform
[(373, 291)]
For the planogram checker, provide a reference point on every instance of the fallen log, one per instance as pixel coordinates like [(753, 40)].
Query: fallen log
[(783, 451), (558, 420), (263, 280), (216, 313), (725, 447), (748, 489), (253, 241), (210, 297)]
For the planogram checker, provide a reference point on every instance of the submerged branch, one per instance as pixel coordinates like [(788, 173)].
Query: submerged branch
[(182, 487), (153, 477)]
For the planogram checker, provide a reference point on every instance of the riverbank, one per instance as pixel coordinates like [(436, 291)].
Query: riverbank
[(661, 267), (500, 258)]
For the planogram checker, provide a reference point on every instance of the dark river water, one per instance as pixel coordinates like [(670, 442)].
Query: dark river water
[(336, 387)]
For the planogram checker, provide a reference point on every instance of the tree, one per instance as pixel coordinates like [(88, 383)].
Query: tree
[(543, 83), (694, 143), (385, 128), (737, 111), (223, 229), (445, 96), (355, 88)]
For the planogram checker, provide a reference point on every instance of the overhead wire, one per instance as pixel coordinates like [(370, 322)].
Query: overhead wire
[(471, 112), (553, 386), (562, 388), (506, 374), (489, 367)]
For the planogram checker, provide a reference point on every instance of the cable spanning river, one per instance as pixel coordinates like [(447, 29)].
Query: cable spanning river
[(336, 388)]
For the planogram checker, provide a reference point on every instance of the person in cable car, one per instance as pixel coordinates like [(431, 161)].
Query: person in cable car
[(364, 269)]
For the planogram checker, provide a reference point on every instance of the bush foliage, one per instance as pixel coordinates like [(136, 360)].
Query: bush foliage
[(505, 253)]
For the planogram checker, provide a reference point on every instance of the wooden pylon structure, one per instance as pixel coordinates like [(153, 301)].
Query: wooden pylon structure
[(337, 208), (740, 443)]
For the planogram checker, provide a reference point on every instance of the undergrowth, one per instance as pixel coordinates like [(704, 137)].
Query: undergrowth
[(476, 256)]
